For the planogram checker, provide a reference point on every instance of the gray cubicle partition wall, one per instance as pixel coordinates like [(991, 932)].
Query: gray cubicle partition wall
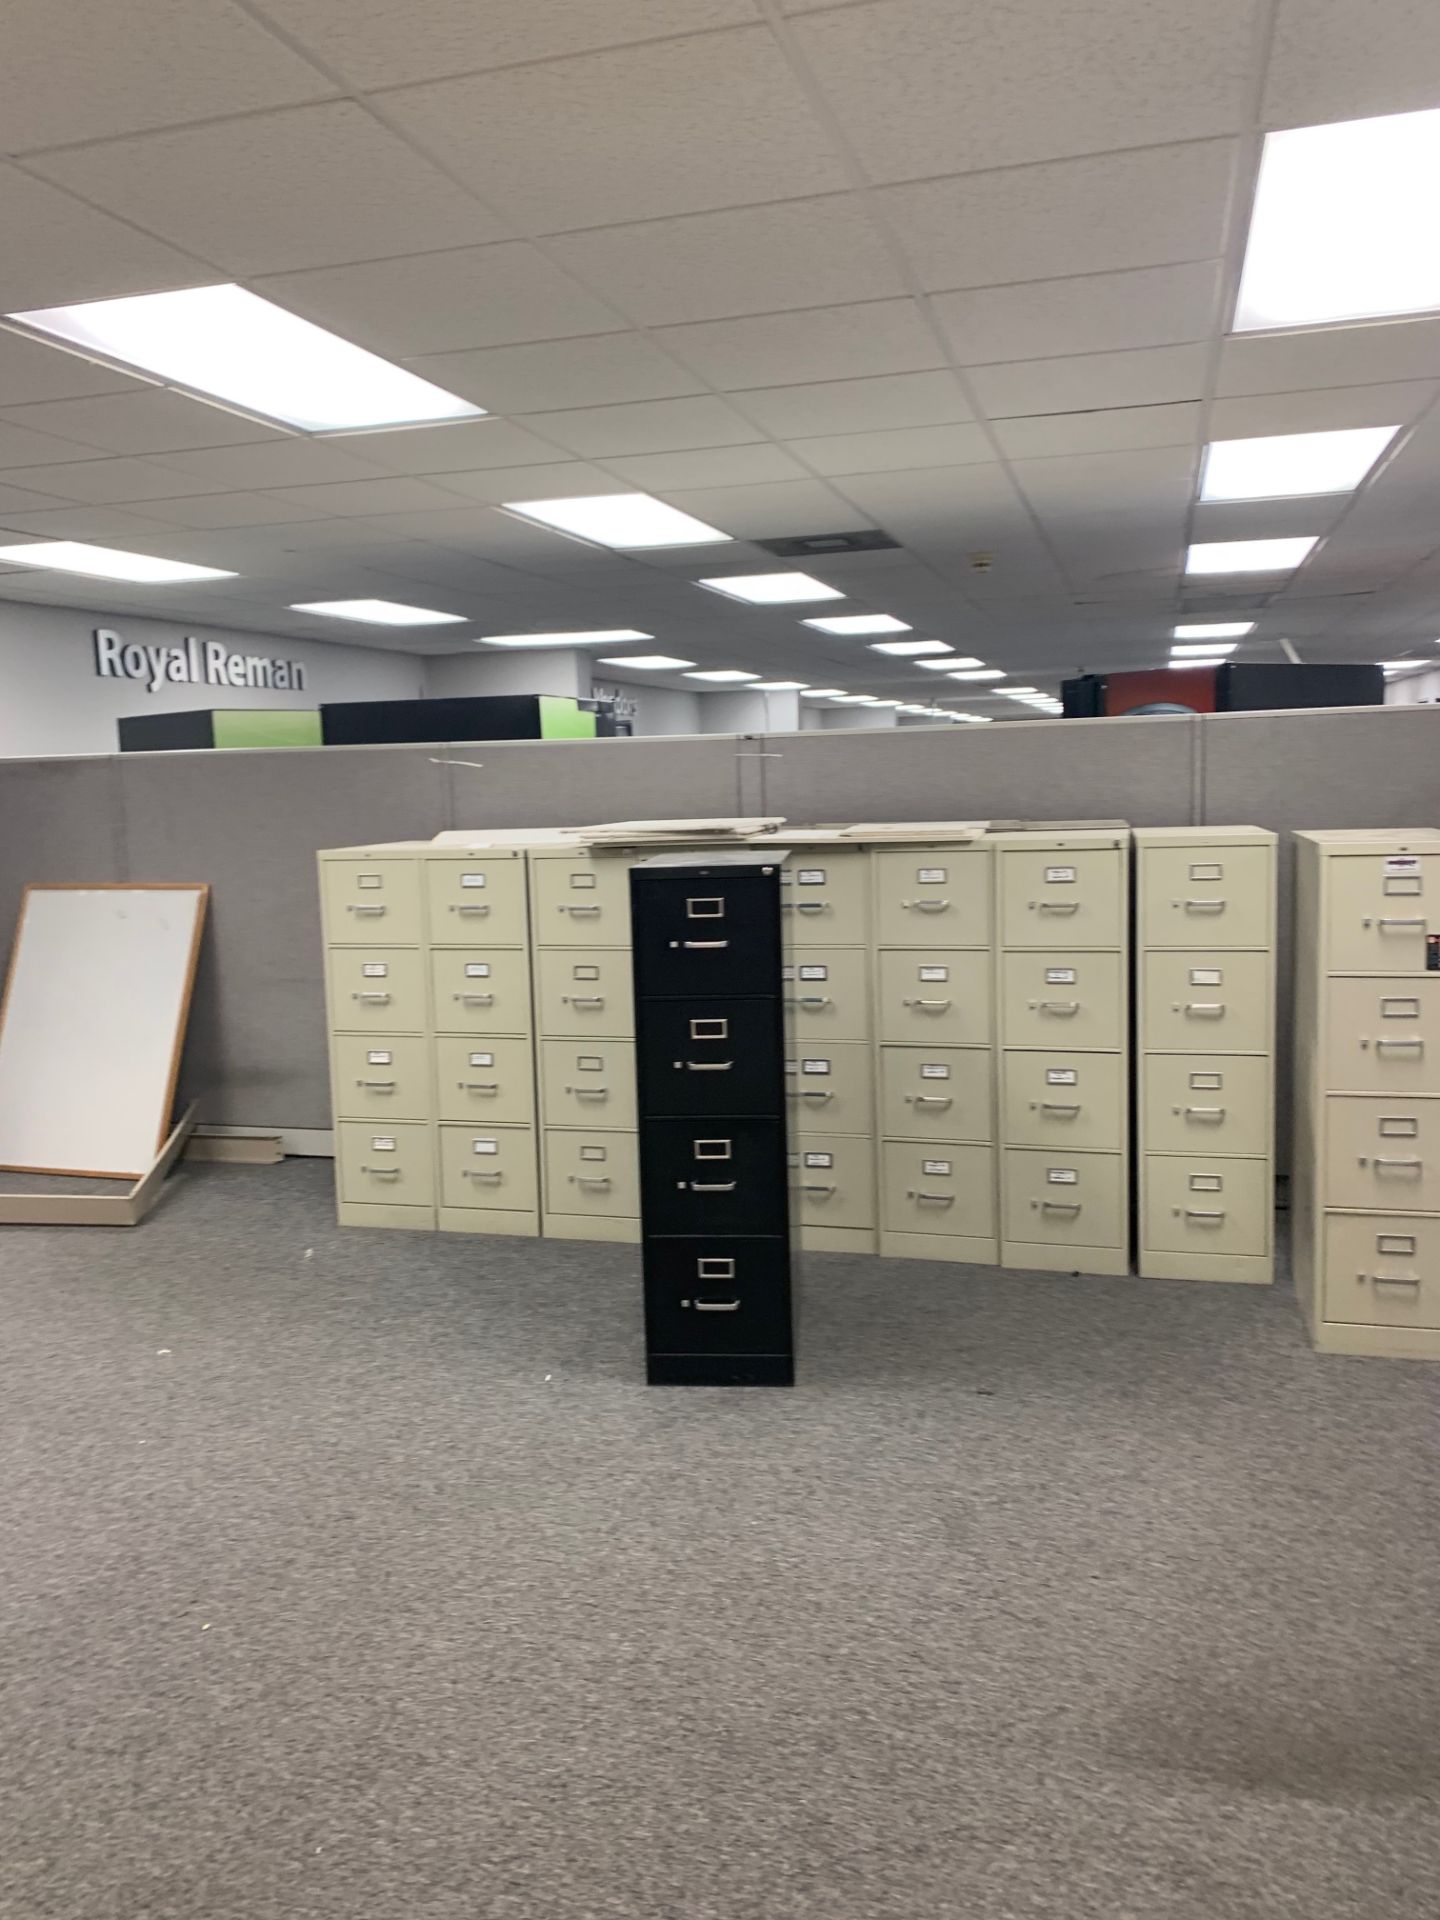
[(250, 823)]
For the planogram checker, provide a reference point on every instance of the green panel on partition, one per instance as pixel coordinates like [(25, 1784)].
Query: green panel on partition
[(562, 718), (267, 727)]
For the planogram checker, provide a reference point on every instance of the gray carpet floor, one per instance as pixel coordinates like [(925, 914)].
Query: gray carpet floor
[(357, 1577)]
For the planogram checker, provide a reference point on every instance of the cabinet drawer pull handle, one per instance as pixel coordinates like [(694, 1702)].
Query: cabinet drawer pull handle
[(1414, 1043), (1410, 1166), (813, 1000), (475, 999), (1398, 920), (927, 906), (382, 1173), (1391, 1279), (1065, 1008), (377, 1086), (591, 1179), (930, 1006), (1060, 1206), (358, 907), (941, 1100), (589, 1093), (716, 1306), (706, 1066), (1204, 1009), (579, 910), (930, 1199), (1204, 906), (818, 1189), (1060, 1106), (1204, 1213), (812, 906), (704, 946), (1057, 906), (582, 999), (372, 999), (1203, 1113), (821, 1094), (478, 1086), (711, 1186), (470, 908), (478, 1173)]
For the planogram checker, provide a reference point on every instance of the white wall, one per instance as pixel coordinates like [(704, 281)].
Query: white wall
[(746, 712), (52, 701), (1414, 690), (657, 709), (493, 670)]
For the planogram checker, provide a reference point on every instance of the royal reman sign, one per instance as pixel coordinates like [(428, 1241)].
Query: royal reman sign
[(193, 662)]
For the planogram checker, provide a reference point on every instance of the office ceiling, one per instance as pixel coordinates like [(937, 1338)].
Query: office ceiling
[(958, 272)]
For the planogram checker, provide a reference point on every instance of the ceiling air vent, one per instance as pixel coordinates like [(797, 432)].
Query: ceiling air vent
[(809, 546)]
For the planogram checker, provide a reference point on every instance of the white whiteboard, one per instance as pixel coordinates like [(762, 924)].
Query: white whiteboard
[(94, 1015)]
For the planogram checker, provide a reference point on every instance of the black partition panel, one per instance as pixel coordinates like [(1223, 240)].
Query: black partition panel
[(714, 1165)]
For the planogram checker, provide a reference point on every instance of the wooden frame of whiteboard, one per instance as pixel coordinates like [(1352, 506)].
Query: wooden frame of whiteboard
[(166, 1131)]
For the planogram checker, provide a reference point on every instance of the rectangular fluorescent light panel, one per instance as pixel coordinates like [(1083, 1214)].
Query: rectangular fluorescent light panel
[(848, 623), (1286, 466), (632, 521), (1338, 230), (982, 673), (731, 675), (108, 563), (1202, 650), (772, 589), (826, 693), (912, 649), (1250, 556), (225, 344), (593, 637), (1217, 630), (379, 613), (647, 662), (779, 686)]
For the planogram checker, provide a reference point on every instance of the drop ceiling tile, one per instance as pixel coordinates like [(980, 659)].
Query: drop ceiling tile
[(375, 44), (1330, 357), (54, 250), (563, 480), (463, 447), (920, 92), (91, 68), (149, 420), (205, 510), (286, 462), (108, 482), (32, 371), (707, 467), (858, 406), (1107, 430), (443, 302), (1144, 377), (777, 512), (322, 185), (23, 445), (1083, 489), (560, 373), (15, 498), (825, 343), (1335, 60), (909, 447), (710, 266), (345, 497), (1320, 410), (1088, 313), (1266, 519), (1100, 214), (82, 523), (675, 126), (648, 426)]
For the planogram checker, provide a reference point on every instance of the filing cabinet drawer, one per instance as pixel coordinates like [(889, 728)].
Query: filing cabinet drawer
[(933, 1188), (390, 1164), (710, 1055), (481, 897), (580, 902), (376, 990), (1382, 1270), (1064, 1000), (827, 991), (480, 990), (584, 993), (1206, 896), (830, 1087), (588, 1083), (1068, 897), (1207, 1206), (493, 1083), (833, 1180), (487, 1167), (1383, 1035), (1378, 911), (1061, 1199), (715, 1176), (380, 1080), (1382, 1152), (1207, 1103), (592, 1172), (717, 1295), (936, 1093), (371, 900), (1064, 1100), (1201, 999), (716, 934), (823, 897), (933, 895), (936, 997)]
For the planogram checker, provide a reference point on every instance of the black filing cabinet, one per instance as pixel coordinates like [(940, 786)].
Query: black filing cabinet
[(710, 1073)]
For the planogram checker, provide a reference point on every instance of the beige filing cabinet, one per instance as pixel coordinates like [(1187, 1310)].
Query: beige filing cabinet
[(1062, 991), (1205, 1025), (585, 1044), (431, 1051), (934, 1050), (829, 1066), (1365, 1178)]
